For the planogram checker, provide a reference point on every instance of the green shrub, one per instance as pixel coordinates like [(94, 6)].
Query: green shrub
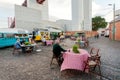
[(75, 49)]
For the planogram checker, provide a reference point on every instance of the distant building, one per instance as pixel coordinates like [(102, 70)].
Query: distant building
[(115, 32), (81, 16), (32, 14)]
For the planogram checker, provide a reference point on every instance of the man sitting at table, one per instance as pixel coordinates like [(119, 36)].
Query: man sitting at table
[(44, 41), (17, 45), (57, 49)]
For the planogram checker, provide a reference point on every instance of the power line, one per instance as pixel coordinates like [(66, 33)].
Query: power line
[(101, 9)]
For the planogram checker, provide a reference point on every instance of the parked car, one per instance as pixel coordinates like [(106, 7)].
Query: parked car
[(106, 34), (102, 33)]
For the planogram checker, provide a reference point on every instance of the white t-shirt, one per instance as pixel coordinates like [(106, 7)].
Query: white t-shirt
[(43, 39)]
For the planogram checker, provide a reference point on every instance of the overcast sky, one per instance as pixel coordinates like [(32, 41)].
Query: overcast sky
[(60, 8)]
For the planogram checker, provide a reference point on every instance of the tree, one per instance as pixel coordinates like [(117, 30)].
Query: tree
[(98, 22)]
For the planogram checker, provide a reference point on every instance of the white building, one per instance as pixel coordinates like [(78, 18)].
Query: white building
[(33, 16), (36, 16), (81, 16)]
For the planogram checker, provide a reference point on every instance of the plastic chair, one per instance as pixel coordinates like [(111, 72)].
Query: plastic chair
[(18, 50), (94, 51)]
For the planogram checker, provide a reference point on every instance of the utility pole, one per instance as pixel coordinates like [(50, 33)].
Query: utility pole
[(113, 28), (114, 21)]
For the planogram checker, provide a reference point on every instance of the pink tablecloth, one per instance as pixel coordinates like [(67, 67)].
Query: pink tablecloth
[(49, 42), (74, 61)]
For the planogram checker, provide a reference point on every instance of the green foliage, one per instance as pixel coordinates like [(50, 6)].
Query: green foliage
[(75, 49), (98, 22), (78, 40), (27, 43)]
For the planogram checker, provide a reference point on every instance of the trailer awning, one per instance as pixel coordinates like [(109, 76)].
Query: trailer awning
[(13, 30), (54, 30)]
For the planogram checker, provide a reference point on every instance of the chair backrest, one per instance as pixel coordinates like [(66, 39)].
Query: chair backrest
[(94, 51), (90, 66)]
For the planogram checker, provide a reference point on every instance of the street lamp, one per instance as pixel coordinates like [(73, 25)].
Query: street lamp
[(113, 29)]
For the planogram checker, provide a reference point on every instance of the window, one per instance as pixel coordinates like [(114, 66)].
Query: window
[(1, 35)]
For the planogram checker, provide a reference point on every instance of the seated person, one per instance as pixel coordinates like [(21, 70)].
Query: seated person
[(47, 37), (83, 41), (17, 45), (34, 44), (44, 40), (86, 42), (57, 49), (32, 41), (61, 37)]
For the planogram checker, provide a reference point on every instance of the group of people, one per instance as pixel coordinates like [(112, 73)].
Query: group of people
[(57, 49), (83, 41), (19, 43)]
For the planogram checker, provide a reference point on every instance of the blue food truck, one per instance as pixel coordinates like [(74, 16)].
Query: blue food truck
[(8, 36)]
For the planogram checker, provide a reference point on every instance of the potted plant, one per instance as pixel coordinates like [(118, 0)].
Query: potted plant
[(75, 49), (27, 43)]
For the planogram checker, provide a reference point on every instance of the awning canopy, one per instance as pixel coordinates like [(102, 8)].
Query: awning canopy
[(13, 30), (54, 30)]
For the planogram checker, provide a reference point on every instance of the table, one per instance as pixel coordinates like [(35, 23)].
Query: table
[(49, 42), (74, 60), (27, 48)]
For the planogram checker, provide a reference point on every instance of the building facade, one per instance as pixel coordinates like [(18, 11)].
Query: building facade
[(81, 15), (115, 32), (33, 15)]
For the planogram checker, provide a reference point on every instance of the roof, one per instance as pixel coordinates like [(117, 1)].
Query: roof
[(54, 30), (117, 19), (13, 30)]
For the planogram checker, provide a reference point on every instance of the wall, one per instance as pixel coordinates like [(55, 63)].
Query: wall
[(27, 18), (81, 15), (117, 34), (65, 24), (77, 15), (42, 7), (117, 31), (88, 15)]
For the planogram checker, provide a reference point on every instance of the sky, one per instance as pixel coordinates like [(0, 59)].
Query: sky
[(103, 6), (58, 9)]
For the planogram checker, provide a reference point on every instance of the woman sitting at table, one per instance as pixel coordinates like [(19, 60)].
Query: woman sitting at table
[(57, 49)]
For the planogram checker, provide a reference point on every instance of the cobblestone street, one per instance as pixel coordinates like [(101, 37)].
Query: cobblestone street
[(37, 66), (110, 54)]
